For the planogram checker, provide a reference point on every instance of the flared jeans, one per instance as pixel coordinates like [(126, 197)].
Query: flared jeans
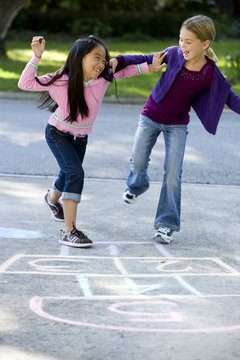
[(169, 205)]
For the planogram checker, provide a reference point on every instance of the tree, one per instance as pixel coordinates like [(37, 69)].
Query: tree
[(8, 11)]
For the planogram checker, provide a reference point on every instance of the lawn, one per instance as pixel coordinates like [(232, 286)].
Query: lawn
[(19, 53)]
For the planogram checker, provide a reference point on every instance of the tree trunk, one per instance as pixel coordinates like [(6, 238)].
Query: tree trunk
[(236, 8), (8, 11)]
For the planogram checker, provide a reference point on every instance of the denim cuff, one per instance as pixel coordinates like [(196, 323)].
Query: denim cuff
[(71, 196), (54, 187)]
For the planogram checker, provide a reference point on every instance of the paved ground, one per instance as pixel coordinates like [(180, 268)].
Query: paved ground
[(128, 297)]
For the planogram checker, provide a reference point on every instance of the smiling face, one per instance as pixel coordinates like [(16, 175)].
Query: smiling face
[(191, 46), (94, 63)]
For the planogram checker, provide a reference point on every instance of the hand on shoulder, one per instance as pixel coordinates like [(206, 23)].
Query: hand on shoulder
[(113, 64), (157, 62)]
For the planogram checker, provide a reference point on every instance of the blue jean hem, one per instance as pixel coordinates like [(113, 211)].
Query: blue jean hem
[(71, 196), (172, 227)]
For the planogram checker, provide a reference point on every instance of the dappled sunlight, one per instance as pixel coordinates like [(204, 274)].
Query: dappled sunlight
[(4, 74), (49, 55), (124, 89), (22, 138), (54, 54), (20, 54), (194, 156), (13, 233), (236, 153), (24, 190), (126, 52), (8, 322), (101, 147), (12, 353)]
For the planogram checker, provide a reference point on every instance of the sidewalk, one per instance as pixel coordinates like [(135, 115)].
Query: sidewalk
[(102, 303), (207, 248), (207, 210)]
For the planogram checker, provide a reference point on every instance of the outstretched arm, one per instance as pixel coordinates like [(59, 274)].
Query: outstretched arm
[(157, 62), (156, 59)]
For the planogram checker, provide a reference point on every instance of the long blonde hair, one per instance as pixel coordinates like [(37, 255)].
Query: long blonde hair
[(204, 29)]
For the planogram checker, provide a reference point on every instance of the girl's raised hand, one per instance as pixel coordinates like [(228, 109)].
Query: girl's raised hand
[(38, 45), (113, 64), (157, 62)]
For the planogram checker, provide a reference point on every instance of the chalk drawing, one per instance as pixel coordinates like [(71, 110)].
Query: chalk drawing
[(12, 233), (116, 266), (137, 317), (84, 284), (113, 250), (183, 282), (140, 289), (140, 316), (64, 250), (130, 292), (166, 263)]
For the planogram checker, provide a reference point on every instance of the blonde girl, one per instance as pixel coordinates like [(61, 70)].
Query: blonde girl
[(192, 79)]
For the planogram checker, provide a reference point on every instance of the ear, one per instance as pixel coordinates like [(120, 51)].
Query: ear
[(206, 44)]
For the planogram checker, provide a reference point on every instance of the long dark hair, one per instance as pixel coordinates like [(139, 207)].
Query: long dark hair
[(73, 68)]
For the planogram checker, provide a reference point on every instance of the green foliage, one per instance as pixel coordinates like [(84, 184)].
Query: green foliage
[(133, 19), (232, 68), (19, 54)]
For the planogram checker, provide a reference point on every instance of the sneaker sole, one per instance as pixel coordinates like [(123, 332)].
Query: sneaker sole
[(56, 219), (67, 243), (162, 239)]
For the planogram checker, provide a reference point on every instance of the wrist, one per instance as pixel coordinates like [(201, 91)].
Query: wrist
[(37, 54), (150, 66)]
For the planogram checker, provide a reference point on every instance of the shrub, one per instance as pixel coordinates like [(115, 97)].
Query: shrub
[(232, 67)]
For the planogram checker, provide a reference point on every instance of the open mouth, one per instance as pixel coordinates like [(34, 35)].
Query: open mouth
[(97, 71)]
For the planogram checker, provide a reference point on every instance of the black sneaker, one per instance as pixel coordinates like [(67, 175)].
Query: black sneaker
[(75, 238), (56, 209)]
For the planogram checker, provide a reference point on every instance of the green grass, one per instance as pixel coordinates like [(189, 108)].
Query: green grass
[(19, 53)]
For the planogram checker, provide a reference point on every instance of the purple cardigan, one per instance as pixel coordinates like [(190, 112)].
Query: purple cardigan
[(208, 104)]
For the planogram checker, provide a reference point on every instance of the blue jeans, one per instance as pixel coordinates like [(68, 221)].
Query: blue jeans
[(69, 153), (169, 205)]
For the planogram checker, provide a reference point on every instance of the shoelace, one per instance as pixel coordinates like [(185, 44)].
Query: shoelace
[(79, 233), (76, 232), (164, 230)]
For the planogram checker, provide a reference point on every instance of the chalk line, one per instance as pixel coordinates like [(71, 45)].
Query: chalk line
[(184, 283)]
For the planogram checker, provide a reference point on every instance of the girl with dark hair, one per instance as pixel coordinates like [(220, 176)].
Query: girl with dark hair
[(74, 95)]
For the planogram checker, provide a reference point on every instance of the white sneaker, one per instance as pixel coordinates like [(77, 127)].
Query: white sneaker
[(164, 235), (128, 197)]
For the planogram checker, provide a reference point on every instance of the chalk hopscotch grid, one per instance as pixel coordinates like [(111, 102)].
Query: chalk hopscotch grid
[(37, 303), (118, 263)]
